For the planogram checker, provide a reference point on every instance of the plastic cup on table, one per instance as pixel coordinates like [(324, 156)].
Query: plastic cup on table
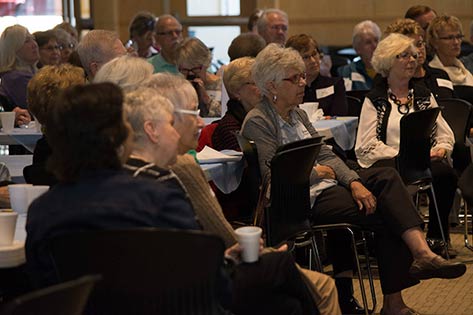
[(19, 197), (7, 226), (8, 121)]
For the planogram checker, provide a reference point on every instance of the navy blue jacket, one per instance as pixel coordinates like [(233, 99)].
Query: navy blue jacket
[(109, 199)]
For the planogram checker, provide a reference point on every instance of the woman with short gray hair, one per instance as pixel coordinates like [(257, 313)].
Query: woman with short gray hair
[(193, 60), (337, 194), (128, 72)]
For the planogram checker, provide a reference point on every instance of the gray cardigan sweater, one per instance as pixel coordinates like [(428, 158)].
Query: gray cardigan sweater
[(261, 125)]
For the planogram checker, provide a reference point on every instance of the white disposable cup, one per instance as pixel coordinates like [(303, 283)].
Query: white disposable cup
[(19, 197), (248, 238), (7, 226), (35, 191), (8, 121)]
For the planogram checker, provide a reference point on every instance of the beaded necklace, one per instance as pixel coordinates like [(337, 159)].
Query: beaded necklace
[(403, 109)]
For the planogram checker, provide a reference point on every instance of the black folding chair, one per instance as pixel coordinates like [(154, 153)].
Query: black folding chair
[(145, 271), (465, 93), (287, 217), (359, 94), (354, 106), (68, 298), (413, 160), (457, 113)]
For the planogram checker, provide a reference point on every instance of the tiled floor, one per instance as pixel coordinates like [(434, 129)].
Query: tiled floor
[(440, 297)]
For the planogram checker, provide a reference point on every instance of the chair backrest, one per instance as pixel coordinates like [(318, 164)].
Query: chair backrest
[(354, 106), (205, 137), (413, 160), (300, 143), (288, 213), (145, 270), (253, 174), (359, 94), (65, 298), (465, 183), (464, 92), (337, 62), (457, 113)]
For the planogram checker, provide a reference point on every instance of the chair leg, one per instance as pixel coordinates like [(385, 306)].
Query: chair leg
[(442, 233), (360, 275), (368, 270), (465, 235), (315, 250)]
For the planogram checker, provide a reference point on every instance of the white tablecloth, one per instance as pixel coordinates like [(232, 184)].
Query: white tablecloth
[(26, 137), (226, 175), (341, 129)]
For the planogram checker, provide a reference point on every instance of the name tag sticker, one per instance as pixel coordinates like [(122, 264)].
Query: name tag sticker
[(321, 93), (355, 76), (445, 83)]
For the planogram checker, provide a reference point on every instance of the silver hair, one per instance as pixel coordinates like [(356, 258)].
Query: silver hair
[(96, 46), (262, 22), (174, 87), (128, 72), (144, 104), (387, 50), (365, 27), (193, 51), (272, 65)]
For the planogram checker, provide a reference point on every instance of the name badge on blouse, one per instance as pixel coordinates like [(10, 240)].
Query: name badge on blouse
[(445, 83), (321, 93), (355, 76)]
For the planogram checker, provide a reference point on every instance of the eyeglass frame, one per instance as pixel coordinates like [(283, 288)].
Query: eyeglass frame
[(170, 33), (50, 48), (194, 70), (451, 38), (296, 78), (315, 54), (70, 46), (188, 111), (406, 55)]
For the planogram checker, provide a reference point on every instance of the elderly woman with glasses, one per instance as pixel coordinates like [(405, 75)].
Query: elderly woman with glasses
[(49, 52), (444, 36), (434, 79), (339, 194), (328, 92), (193, 60), (393, 96)]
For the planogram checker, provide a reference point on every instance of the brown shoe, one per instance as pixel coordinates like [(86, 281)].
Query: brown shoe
[(436, 268)]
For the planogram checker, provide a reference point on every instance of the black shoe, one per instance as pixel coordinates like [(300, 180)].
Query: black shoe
[(436, 268), (351, 307), (438, 247)]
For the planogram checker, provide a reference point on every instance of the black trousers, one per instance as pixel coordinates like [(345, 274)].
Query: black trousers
[(273, 285), (395, 213), (445, 185)]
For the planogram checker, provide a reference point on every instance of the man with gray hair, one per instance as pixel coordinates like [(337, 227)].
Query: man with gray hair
[(168, 35), (273, 25), (97, 48), (359, 74)]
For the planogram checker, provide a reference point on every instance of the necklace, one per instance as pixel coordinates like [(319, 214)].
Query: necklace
[(403, 109)]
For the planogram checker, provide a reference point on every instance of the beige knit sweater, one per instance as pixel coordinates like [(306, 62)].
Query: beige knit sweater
[(203, 200)]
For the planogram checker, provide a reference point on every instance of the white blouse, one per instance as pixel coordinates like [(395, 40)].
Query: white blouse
[(369, 149)]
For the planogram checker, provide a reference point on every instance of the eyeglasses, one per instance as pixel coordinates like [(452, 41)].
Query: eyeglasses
[(170, 33), (296, 78), (406, 55), (50, 48), (188, 111), (279, 28), (451, 38), (70, 46), (315, 54), (194, 70), (419, 44)]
